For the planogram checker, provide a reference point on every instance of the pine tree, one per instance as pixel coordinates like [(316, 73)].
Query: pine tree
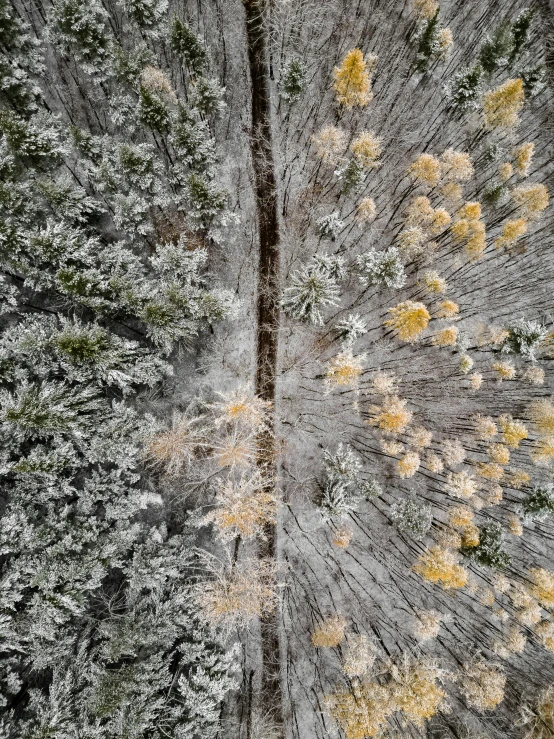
[(293, 81), (311, 288), (83, 31), (381, 268), (187, 45)]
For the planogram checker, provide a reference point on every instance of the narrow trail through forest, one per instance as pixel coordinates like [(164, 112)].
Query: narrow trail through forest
[(267, 312)]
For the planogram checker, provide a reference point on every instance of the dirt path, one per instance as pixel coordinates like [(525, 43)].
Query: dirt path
[(267, 308)]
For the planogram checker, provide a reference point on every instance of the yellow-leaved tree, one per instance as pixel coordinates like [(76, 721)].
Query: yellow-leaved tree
[(353, 80)]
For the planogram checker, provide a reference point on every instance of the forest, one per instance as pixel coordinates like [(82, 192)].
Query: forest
[(276, 369)]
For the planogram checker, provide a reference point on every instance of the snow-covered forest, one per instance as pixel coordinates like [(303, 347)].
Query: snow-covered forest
[(276, 369)]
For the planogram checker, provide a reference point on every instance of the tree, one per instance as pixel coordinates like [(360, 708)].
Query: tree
[(489, 550), (540, 503), (411, 516), (343, 487), (311, 289), (187, 45), (82, 30), (409, 320), (465, 89), (483, 684), (353, 80), (440, 565), (293, 81), (149, 15), (502, 105), (381, 268), (329, 633)]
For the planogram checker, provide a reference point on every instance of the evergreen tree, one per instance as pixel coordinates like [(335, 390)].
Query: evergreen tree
[(293, 81), (81, 29), (187, 45), (381, 268)]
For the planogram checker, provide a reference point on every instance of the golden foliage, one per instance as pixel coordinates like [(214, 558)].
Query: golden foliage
[(434, 463), (344, 370), (439, 565), (426, 170), (392, 416), (513, 432), (543, 586), (545, 633), (242, 407), (434, 282), (470, 211), (353, 80), (511, 232), (468, 228), (530, 615), (505, 369), (426, 9), (502, 105), (366, 211), (453, 452), (499, 453), (448, 309), (363, 712), (505, 171), (452, 192), (360, 656), (490, 470), (449, 539), (485, 428), (514, 525), (428, 625), (244, 507), (518, 478), (523, 156), (460, 516), (330, 144), (414, 689), (232, 599), (409, 320), (392, 447), (420, 437), (543, 451), (408, 465), (446, 336), (456, 166), (470, 535), (411, 239), (421, 213), (534, 376), (174, 450), (531, 200), (541, 413), (483, 685), (367, 148), (384, 383), (342, 537), (329, 633), (445, 39), (513, 643), (476, 380), (461, 485)]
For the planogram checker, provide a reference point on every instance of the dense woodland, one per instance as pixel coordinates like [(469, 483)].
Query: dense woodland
[(276, 369)]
